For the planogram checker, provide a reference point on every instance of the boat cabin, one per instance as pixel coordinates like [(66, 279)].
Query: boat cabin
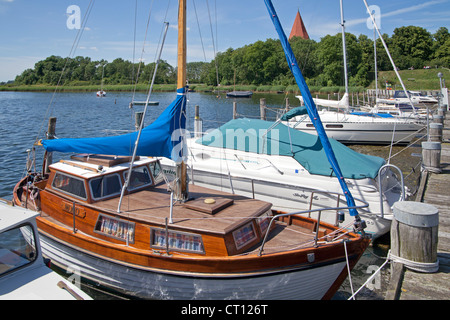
[(83, 193)]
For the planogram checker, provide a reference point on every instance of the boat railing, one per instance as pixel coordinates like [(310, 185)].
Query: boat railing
[(380, 186), (319, 211)]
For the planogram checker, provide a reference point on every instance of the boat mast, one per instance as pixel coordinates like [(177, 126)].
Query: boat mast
[(344, 48), (388, 53), (181, 193)]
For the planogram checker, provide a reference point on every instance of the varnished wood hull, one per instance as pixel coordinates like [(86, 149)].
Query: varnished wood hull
[(312, 281), (136, 270)]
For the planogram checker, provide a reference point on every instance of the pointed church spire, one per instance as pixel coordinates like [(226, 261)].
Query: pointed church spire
[(298, 29)]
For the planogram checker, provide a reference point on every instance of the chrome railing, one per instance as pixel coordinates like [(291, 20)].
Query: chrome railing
[(316, 236), (380, 186)]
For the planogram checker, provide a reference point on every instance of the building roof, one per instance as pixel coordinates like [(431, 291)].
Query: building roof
[(298, 29)]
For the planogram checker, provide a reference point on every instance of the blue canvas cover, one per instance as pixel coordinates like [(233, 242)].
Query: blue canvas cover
[(155, 139), (251, 135)]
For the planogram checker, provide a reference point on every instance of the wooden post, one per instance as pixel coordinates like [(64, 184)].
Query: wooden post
[(235, 110), (436, 132), (198, 123), (438, 119), (51, 133), (431, 156), (138, 119), (288, 106), (414, 235), (262, 108)]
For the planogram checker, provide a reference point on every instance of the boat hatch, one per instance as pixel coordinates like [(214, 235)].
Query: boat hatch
[(103, 160), (209, 205)]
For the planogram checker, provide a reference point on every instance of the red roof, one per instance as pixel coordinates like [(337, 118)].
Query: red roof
[(298, 29)]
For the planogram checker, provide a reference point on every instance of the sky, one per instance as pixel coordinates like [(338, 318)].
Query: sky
[(31, 30)]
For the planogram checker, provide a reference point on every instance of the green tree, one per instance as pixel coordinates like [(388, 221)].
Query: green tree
[(412, 46)]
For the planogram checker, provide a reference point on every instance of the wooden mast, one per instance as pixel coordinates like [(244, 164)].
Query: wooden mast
[(181, 193)]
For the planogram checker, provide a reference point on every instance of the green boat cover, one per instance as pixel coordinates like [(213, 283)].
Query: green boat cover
[(251, 135), (299, 111)]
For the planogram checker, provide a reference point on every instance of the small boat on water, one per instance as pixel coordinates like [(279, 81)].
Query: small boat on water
[(101, 93), (114, 216), (143, 103), (23, 273), (239, 94)]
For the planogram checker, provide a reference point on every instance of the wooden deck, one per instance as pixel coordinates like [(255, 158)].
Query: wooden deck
[(411, 285), (153, 206)]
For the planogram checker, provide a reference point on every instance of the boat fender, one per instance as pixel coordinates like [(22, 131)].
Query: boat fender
[(34, 193)]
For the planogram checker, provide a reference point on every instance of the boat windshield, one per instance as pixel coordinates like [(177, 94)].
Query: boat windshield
[(140, 177), (105, 186), (17, 248)]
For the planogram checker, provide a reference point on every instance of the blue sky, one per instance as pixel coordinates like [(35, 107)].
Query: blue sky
[(31, 30)]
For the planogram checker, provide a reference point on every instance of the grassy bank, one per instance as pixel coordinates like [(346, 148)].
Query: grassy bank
[(420, 79), (423, 79)]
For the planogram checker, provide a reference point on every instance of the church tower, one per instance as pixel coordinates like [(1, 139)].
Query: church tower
[(298, 29)]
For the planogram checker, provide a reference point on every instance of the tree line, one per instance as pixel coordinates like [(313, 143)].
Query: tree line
[(263, 62)]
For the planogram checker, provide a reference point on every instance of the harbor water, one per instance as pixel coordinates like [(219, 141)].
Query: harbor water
[(24, 117)]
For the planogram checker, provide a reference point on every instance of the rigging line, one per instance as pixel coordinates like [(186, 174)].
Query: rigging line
[(160, 37), (213, 42), (134, 40), (72, 51), (199, 30), (127, 182), (142, 53)]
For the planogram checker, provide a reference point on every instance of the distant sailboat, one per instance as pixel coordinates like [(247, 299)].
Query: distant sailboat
[(101, 92), (360, 127)]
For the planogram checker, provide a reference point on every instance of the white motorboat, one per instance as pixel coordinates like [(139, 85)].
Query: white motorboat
[(359, 127), (289, 168), (417, 98), (23, 273)]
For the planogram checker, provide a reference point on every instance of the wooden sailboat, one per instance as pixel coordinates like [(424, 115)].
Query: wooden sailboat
[(183, 244)]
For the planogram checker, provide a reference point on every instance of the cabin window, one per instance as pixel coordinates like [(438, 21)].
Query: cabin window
[(140, 177), (157, 172), (115, 228), (105, 186), (244, 235), (70, 185), (17, 248), (263, 221), (180, 241)]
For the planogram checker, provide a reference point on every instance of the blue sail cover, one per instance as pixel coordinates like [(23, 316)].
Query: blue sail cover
[(309, 103), (155, 139)]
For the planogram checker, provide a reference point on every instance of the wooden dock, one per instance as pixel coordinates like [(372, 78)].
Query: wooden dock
[(434, 190)]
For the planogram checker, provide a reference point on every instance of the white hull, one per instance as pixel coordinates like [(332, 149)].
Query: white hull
[(294, 190), (310, 282), (348, 128), (292, 198)]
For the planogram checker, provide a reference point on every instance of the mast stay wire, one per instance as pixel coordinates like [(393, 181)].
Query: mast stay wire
[(71, 53)]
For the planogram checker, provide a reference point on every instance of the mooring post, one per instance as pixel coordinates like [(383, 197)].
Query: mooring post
[(51, 133), (431, 156), (138, 120), (262, 108), (234, 110), (414, 235), (198, 123)]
